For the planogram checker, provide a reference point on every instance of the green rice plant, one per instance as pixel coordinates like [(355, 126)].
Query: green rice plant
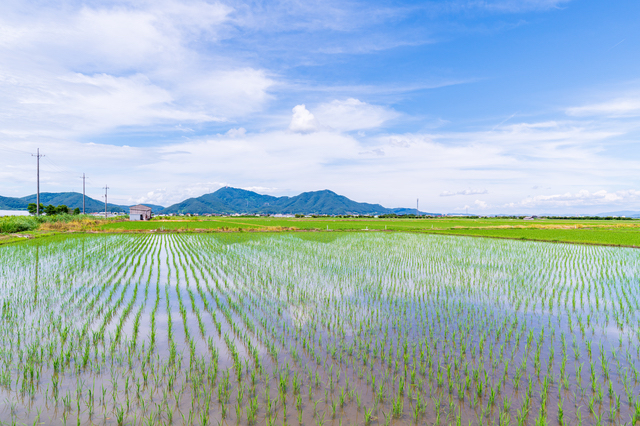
[(398, 406), (398, 322)]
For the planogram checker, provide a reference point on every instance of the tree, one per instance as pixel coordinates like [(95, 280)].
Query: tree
[(50, 210), (62, 209), (31, 208), (76, 211)]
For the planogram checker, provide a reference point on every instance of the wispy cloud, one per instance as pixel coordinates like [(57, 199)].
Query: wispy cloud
[(353, 114), (620, 107), (582, 198), (285, 97), (464, 192), (513, 6), (95, 68)]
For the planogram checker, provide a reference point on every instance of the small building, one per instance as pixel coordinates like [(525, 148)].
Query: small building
[(139, 212)]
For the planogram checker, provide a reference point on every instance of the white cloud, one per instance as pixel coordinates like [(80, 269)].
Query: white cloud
[(480, 204), (464, 192), (76, 104), (582, 198), (260, 189), (620, 107), (377, 151), (151, 66), (515, 6), (353, 114), (303, 121), (227, 93), (560, 202), (111, 38), (236, 133), (166, 196), (91, 69), (504, 165)]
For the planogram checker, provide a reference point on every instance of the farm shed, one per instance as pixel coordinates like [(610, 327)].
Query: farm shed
[(139, 212)]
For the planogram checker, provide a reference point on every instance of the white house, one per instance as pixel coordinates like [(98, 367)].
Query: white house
[(139, 212)]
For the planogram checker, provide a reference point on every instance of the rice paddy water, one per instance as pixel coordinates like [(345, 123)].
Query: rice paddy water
[(338, 329)]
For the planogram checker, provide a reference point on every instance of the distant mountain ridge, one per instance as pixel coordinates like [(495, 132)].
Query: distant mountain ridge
[(10, 203), (69, 199), (229, 200), (226, 200)]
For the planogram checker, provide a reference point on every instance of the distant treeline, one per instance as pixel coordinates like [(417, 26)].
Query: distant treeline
[(433, 216), (407, 216), (51, 210), (364, 216), (589, 217)]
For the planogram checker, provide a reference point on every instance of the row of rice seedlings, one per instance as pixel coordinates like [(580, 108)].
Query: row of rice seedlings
[(419, 330)]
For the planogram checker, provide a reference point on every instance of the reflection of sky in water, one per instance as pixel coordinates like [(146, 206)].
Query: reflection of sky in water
[(368, 276)]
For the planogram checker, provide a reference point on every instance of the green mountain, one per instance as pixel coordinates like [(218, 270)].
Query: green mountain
[(69, 199), (223, 201), (73, 200), (405, 210), (233, 200), (10, 203)]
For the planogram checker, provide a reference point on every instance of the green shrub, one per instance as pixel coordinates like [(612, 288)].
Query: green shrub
[(12, 224)]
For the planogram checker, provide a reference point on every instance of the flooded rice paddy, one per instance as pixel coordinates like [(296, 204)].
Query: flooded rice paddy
[(338, 329)]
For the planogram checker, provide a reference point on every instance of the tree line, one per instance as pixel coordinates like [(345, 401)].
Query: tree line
[(51, 210)]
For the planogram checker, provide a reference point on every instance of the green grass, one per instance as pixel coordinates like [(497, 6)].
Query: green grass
[(345, 224), (608, 232), (605, 236), (13, 224)]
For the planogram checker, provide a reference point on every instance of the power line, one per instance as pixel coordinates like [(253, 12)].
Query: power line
[(58, 169), (5, 148)]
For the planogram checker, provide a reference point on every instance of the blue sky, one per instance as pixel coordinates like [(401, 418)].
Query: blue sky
[(495, 106)]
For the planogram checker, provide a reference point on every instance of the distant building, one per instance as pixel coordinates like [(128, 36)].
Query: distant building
[(139, 212)]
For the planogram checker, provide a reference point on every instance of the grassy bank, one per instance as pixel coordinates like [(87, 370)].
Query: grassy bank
[(605, 232)]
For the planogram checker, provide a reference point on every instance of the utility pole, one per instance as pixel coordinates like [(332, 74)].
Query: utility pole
[(37, 155), (417, 206), (105, 200), (83, 193)]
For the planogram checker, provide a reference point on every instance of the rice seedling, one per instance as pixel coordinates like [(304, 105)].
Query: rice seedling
[(371, 328)]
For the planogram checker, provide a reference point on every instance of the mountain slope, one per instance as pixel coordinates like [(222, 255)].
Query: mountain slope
[(69, 199), (10, 203), (328, 202), (405, 210), (233, 200), (72, 200), (224, 201)]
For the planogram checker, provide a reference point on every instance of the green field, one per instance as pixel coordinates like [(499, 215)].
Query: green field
[(628, 237), (608, 232), (324, 328)]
